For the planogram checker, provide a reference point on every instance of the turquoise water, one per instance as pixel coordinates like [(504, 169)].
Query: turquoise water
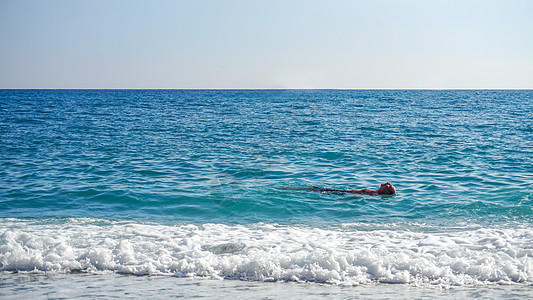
[(206, 167), (221, 156)]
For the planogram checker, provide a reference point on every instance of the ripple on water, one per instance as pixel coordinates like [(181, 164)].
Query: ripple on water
[(222, 155)]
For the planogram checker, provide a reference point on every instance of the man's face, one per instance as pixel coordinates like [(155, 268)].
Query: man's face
[(387, 188)]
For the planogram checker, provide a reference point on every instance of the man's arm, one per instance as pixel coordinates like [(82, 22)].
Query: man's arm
[(333, 191), (313, 189), (362, 192)]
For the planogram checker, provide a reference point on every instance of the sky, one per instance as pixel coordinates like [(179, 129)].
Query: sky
[(219, 44)]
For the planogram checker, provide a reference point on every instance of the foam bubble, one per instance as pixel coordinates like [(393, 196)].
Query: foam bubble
[(268, 252)]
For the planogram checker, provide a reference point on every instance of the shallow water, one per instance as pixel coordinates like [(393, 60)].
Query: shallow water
[(82, 286), (189, 183)]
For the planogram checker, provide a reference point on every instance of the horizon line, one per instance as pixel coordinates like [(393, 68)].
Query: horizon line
[(251, 89)]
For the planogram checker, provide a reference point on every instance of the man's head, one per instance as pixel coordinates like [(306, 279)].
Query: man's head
[(387, 189)]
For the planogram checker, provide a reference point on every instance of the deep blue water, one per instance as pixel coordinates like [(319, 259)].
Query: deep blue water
[(189, 183), (222, 155)]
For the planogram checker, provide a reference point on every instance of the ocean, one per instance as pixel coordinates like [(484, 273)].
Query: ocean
[(168, 193)]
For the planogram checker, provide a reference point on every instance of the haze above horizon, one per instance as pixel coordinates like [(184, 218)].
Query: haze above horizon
[(314, 44)]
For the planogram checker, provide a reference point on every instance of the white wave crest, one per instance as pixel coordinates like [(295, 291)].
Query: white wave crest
[(265, 252)]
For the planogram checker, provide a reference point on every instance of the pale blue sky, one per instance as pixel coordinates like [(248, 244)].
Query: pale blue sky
[(266, 44)]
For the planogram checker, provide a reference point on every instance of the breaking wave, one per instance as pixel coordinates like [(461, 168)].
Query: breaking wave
[(340, 255)]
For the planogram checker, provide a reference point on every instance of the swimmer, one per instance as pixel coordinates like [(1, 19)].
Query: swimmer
[(384, 189)]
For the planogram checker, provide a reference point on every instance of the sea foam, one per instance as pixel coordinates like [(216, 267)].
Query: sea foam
[(341, 255)]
